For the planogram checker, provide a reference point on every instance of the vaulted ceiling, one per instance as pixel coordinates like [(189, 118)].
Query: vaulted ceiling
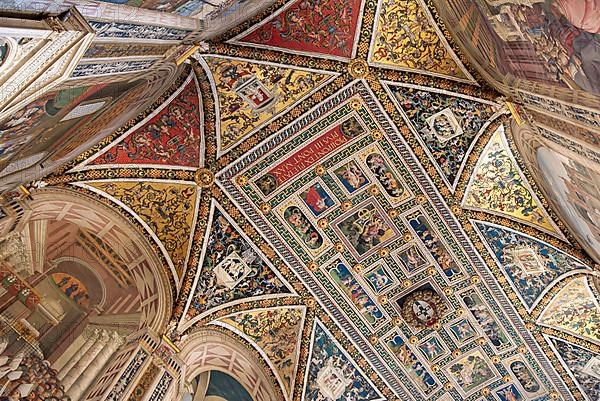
[(334, 183)]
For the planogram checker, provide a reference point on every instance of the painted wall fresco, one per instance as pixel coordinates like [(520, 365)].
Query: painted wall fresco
[(583, 364), (446, 124), (206, 10), (114, 50), (119, 67), (405, 37), (277, 332), (497, 185), (168, 209), (332, 374), (123, 30), (221, 386), (231, 270), (575, 309), (531, 265), (250, 94), (45, 125), (310, 27), (574, 186), (158, 5), (72, 288), (554, 42), (170, 137)]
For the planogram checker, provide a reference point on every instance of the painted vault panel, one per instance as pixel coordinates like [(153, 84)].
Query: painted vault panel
[(334, 262)]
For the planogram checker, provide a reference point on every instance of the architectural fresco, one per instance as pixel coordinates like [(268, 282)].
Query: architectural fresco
[(166, 208), (250, 94), (574, 309), (170, 137), (554, 42), (575, 185), (447, 124), (322, 28), (51, 121), (513, 197), (277, 333), (405, 38), (531, 265)]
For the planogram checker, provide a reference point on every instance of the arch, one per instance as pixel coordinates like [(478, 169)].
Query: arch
[(557, 146), (149, 276), (209, 349), (86, 265)]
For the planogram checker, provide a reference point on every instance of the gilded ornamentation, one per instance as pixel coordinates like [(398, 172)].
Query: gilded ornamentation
[(251, 94), (204, 178), (498, 186), (405, 37), (168, 209), (277, 332)]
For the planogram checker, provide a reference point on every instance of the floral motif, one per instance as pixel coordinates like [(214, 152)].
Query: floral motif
[(319, 26), (530, 264), (424, 109), (405, 37), (250, 94), (498, 186), (277, 332), (168, 209), (171, 137)]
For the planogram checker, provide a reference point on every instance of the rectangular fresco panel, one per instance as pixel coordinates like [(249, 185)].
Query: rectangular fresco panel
[(363, 302), (366, 229), (415, 369), (484, 316), (434, 244), (471, 372)]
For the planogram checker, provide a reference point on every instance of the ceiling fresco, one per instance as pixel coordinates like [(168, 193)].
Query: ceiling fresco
[(357, 215)]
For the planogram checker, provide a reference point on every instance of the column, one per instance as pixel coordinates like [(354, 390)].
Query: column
[(85, 360), (91, 338), (111, 344)]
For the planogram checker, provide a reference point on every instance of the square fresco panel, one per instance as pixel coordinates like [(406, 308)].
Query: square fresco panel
[(366, 229)]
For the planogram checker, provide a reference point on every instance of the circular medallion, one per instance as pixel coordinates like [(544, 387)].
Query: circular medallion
[(204, 178), (358, 68), (423, 308)]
